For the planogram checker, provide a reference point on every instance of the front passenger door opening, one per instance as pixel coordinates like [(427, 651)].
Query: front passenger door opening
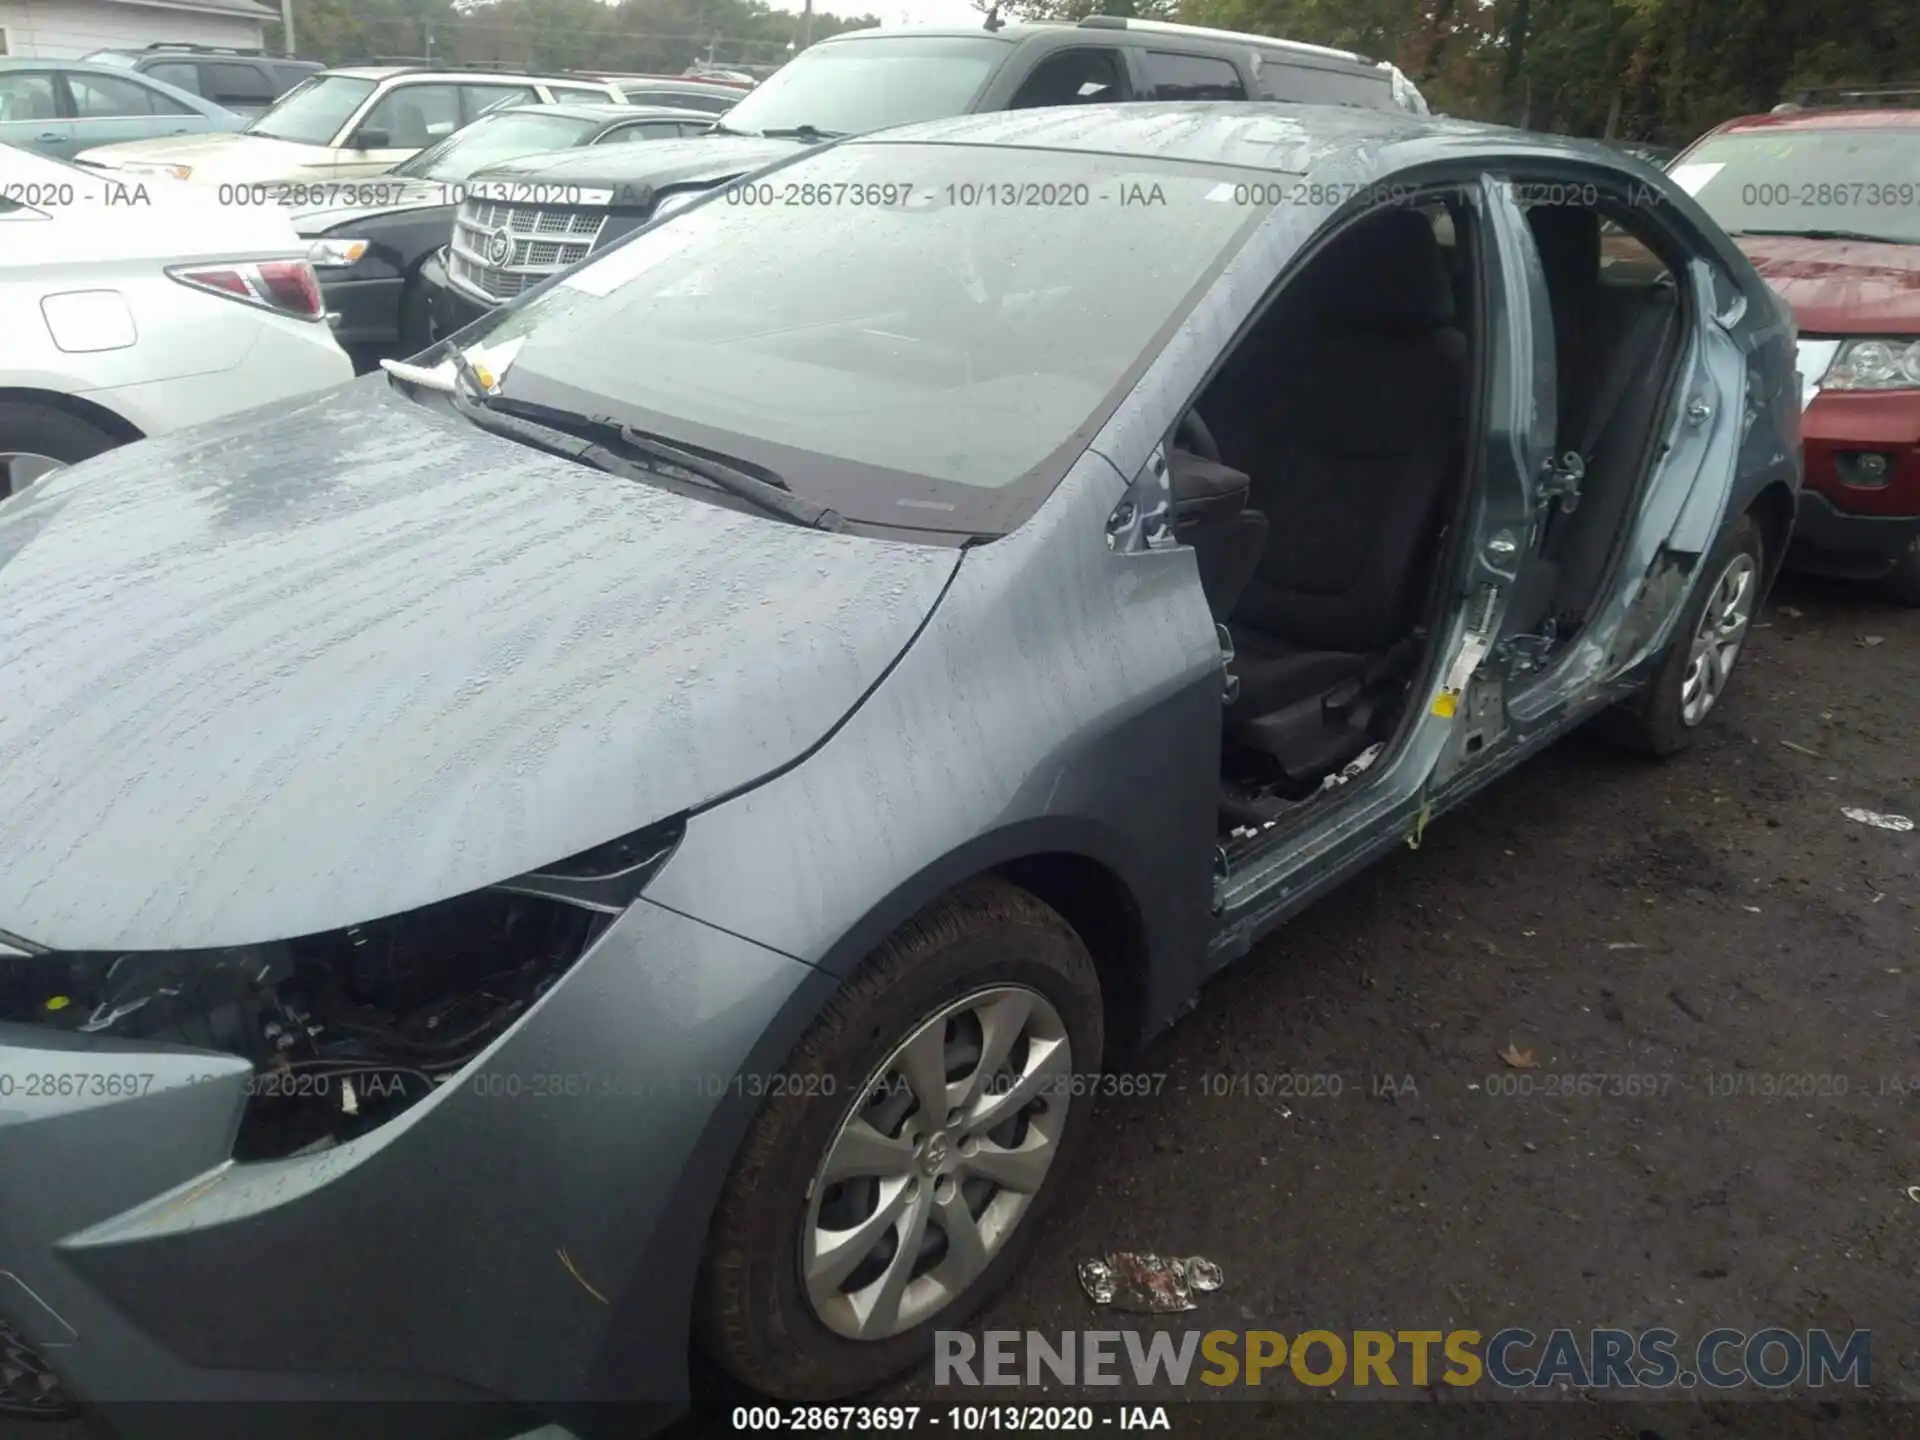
[(1321, 478)]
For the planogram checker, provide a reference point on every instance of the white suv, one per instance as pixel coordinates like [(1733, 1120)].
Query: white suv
[(131, 310), (353, 121)]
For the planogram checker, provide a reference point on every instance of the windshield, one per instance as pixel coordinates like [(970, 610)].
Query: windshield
[(314, 110), (847, 87), (958, 324), (493, 138), (1865, 181)]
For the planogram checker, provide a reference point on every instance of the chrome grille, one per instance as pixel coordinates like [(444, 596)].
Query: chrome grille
[(541, 242)]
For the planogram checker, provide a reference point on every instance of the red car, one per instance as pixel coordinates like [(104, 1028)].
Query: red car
[(1825, 200)]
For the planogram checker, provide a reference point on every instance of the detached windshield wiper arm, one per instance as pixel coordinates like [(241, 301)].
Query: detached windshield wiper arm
[(770, 496)]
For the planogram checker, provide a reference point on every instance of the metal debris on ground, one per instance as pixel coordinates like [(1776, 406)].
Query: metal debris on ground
[(1148, 1284), (1872, 640), (1801, 749), (1876, 819)]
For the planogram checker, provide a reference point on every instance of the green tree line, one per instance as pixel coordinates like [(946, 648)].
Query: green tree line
[(1653, 70), (646, 36)]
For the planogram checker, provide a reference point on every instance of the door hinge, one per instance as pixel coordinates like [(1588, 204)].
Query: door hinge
[(1561, 480)]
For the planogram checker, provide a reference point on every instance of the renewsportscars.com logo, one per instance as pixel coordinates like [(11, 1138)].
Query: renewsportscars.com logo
[(1514, 1359)]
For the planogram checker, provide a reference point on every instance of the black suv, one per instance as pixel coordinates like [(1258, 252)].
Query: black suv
[(549, 212), (244, 81)]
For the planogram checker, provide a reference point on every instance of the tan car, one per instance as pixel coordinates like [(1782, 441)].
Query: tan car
[(345, 123)]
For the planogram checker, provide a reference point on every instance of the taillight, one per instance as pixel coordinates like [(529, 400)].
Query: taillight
[(287, 286)]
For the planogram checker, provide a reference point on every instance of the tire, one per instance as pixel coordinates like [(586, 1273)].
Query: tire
[(753, 1314), (1658, 723), (27, 428), (415, 324), (1902, 583)]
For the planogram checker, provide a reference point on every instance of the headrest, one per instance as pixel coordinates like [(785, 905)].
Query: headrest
[(1385, 275)]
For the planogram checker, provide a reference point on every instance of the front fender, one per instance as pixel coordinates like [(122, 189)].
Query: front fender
[(1063, 697)]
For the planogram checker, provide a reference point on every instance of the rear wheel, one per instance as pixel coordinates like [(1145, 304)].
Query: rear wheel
[(1708, 642), (36, 440), (936, 1116)]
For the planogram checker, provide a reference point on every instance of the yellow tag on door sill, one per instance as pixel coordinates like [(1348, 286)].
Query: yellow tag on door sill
[(1445, 704)]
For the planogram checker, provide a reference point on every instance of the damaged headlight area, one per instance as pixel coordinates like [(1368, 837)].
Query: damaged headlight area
[(347, 1029)]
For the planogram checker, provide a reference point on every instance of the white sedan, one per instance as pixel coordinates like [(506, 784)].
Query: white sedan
[(138, 306)]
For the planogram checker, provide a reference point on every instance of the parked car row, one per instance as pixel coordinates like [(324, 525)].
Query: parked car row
[(246, 82), (865, 81)]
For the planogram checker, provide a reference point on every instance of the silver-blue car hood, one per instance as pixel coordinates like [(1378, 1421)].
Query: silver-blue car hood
[(348, 656)]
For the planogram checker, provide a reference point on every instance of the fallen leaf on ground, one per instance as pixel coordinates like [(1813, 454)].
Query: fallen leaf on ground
[(1519, 1059)]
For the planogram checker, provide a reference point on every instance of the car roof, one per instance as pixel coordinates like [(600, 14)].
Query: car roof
[(384, 72), (1023, 30), (84, 67), (1828, 118), (692, 84), (1258, 135), (603, 110)]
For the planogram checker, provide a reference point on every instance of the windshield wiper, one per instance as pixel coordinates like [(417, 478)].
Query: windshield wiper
[(585, 439), (802, 132), (1823, 235)]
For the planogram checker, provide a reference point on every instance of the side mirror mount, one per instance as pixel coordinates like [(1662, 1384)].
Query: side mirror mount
[(372, 140)]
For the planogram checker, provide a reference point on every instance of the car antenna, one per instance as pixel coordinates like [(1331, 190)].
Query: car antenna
[(994, 22)]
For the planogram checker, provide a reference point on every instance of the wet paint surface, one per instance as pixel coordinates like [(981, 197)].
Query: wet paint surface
[(273, 676)]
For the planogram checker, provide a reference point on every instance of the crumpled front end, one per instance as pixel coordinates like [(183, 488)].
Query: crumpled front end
[(377, 1164)]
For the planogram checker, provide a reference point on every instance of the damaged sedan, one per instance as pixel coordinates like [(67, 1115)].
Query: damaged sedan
[(635, 833)]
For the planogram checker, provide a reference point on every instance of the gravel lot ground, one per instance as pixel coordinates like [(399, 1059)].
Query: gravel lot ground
[(1711, 917)]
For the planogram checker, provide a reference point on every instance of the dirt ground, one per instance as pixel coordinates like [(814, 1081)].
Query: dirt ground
[(1714, 916)]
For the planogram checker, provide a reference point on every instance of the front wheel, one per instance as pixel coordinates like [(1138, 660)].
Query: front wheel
[(933, 1114), (1708, 642)]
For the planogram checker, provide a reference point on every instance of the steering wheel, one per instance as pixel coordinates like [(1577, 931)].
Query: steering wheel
[(1192, 434)]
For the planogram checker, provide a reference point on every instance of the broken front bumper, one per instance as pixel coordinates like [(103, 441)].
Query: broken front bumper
[(530, 1231)]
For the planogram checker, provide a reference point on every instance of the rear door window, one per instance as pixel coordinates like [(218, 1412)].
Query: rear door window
[(1174, 76), (183, 73), (1312, 85), (103, 97), (1084, 75)]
